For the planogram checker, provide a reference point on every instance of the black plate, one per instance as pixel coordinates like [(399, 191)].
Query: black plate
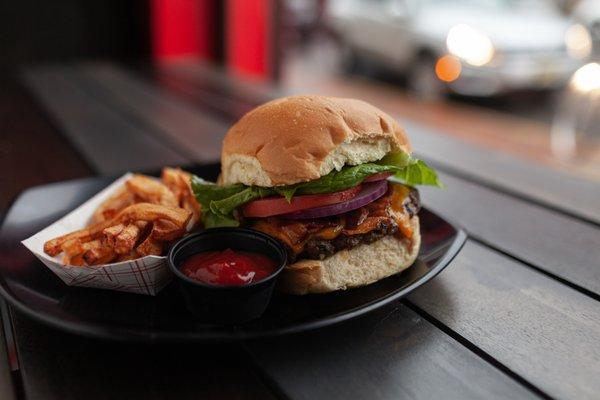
[(32, 288)]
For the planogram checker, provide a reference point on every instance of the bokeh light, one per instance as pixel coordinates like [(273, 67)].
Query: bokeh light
[(469, 44), (578, 41), (587, 78), (448, 68)]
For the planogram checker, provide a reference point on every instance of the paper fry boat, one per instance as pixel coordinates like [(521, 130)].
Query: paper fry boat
[(147, 275)]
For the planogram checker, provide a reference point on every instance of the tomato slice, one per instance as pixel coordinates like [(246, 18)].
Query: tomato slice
[(378, 177), (270, 206)]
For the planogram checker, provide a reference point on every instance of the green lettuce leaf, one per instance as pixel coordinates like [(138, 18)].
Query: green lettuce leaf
[(411, 171), (207, 193), (227, 205), (398, 159), (335, 181), (219, 202), (211, 220)]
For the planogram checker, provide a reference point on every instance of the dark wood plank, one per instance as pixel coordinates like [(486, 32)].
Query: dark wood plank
[(204, 95), (61, 366), (540, 329), (556, 189), (111, 142), (392, 353), (218, 81), (193, 131), (556, 243), (32, 151), (209, 87)]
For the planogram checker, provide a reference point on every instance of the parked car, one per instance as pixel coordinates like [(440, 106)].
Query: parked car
[(588, 12), (472, 47)]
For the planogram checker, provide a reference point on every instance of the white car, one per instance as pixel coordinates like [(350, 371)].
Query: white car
[(472, 47), (588, 12)]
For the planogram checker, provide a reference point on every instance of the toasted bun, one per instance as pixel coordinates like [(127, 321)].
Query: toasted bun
[(301, 138), (358, 266)]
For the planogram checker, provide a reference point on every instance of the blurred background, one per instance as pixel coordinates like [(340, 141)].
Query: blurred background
[(520, 77)]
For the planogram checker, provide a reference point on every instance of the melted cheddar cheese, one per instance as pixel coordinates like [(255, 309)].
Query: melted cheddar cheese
[(399, 194)]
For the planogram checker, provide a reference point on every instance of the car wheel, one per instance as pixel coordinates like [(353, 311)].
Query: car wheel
[(422, 81)]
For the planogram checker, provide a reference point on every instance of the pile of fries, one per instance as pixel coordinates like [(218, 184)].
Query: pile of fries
[(142, 218)]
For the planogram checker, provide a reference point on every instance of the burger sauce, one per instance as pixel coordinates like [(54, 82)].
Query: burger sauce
[(228, 267)]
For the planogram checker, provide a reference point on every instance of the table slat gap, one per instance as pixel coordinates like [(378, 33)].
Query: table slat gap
[(392, 352), (550, 241), (543, 330), (476, 350), (457, 173), (542, 271)]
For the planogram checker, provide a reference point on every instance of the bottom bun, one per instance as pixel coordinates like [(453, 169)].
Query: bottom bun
[(358, 266)]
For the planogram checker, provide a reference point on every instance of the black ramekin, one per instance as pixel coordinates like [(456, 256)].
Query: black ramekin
[(226, 304)]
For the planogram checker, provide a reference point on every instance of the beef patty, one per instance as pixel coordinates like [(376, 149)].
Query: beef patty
[(319, 249)]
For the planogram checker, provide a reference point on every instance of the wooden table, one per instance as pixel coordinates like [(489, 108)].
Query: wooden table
[(516, 315)]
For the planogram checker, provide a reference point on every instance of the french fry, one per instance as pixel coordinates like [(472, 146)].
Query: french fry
[(72, 247), (144, 212), (167, 231), (76, 260), (151, 190), (115, 203), (78, 248), (111, 233), (126, 240), (135, 212), (150, 247), (99, 255), (150, 212), (53, 246), (132, 255), (192, 206), (141, 224), (172, 178), (179, 182), (138, 188)]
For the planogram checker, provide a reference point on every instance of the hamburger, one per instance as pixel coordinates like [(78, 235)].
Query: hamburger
[(333, 179)]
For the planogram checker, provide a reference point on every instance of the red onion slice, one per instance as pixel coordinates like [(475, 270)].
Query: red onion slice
[(370, 192), (378, 177)]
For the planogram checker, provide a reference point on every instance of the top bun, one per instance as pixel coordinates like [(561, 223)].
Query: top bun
[(302, 138)]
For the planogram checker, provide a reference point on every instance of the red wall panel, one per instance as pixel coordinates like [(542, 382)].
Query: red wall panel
[(248, 38), (182, 28)]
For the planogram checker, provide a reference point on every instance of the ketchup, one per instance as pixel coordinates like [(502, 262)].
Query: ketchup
[(228, 267)]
